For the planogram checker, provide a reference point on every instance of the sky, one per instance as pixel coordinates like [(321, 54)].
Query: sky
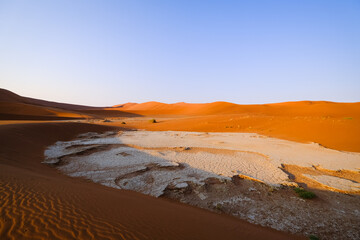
[(104, 52)]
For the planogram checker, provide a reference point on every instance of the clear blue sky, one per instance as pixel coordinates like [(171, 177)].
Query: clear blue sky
[(109, 52)]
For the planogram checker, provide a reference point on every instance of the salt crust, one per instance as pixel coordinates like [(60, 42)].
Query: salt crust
[(254, 155)]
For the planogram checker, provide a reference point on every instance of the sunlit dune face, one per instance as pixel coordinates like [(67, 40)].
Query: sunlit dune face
[(333, 125), (339, 133)]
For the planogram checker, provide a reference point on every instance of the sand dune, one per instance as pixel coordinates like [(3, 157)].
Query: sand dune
[(339, 133), (22, 111), (15, 107), (302, 108), (333, 125), (8, 96)]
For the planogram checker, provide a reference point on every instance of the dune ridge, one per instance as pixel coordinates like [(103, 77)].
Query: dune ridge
[(16, 107), (300, 108), (8, 96)]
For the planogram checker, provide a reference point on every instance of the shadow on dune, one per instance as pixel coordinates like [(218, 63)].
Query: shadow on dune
[(89, 113), (4, 116), (15, 107), (108, 113)]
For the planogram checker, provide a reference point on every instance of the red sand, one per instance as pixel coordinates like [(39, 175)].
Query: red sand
[(333, 125)]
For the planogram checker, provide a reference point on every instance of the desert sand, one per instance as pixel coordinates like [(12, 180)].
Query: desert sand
[(38, 199), (333, 125)]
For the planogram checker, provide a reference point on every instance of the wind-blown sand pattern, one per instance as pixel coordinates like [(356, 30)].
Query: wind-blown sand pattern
[(44, 210), (203, 169)]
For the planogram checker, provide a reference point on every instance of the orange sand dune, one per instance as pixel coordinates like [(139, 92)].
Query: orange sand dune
[(8, 96), (334, 125), (22, 111), (15, 107), (107, 113), (303, 108), (336, 133), (37, 202)]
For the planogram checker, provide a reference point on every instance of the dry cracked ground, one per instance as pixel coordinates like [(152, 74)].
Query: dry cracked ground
[(225, 174)]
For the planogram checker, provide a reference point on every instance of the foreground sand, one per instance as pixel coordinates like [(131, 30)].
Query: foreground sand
[(38, 202)]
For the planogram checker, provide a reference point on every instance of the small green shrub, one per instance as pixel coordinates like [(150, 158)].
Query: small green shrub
[(153, 121), (304, 194), (313, 237), (348, 118), (219, 207)]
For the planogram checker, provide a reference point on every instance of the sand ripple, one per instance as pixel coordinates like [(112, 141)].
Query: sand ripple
[(35, 213)]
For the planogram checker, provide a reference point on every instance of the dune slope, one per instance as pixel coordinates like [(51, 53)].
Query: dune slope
[(15, 107), (333, 125)]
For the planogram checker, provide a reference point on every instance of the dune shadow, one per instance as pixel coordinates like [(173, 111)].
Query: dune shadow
[(109, 113), (6, 116)]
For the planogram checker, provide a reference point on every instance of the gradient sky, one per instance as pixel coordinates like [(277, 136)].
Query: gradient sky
[(103, 53)]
